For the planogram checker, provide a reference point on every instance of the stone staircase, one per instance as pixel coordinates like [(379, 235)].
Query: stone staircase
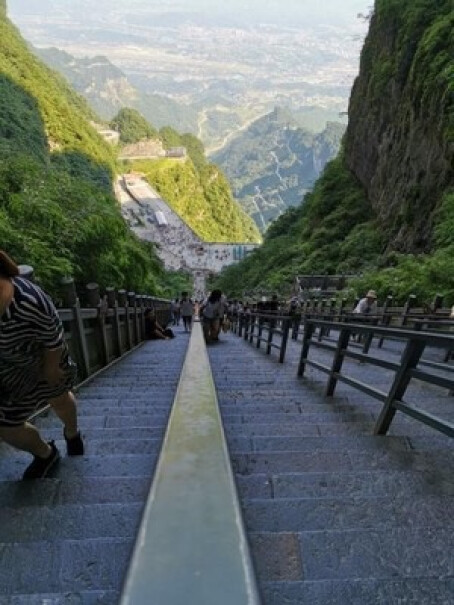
[(336, 515), (67, 539)]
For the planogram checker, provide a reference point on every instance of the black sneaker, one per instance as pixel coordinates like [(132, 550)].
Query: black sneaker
[(40, 467), (75, 445)]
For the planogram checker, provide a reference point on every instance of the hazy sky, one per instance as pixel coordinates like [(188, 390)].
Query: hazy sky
[(229, 12)]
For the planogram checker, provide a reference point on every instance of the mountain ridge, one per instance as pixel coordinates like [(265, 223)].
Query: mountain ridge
[(275, 162), (384, 208)]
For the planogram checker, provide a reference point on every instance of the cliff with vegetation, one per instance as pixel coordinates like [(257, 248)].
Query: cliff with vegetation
[(57, 210), (202, 196), (196, 189), (399, 141), (385, 206)]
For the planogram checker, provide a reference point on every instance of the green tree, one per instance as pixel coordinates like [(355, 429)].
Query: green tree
[(132, 126)]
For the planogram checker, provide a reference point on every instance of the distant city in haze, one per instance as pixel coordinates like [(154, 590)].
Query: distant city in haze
[(247, 56)]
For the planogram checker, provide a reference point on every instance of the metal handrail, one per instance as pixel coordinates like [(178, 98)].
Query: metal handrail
[(191, 547), (251, 326), (404, 370)]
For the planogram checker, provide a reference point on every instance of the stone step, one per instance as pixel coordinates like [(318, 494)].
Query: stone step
[(416, 432), (378, 513), (367, 443), (124, 392), (322, 473), (122, 465), (100, 597), (66, 566), (362, 484), (69, 522), (340, 461), (296, 408), (122, 409), (110, 421), (80, 490), (411, 591), (403, 552), (105, 434), (309, 418)]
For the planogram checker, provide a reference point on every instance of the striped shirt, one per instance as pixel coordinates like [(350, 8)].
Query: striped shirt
[(29, 326)]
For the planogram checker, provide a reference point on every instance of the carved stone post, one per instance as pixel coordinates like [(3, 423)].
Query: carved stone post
[(123, 304), (71, 301), (133, 315), (116, 322)]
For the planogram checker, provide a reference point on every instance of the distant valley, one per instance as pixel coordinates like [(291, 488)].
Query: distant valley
[(107, 89), (271, 159), (272, 164)]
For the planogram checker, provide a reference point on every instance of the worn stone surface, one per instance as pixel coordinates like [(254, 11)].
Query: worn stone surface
[(276, 556), (373, 515), (415, 591), (67, 539)]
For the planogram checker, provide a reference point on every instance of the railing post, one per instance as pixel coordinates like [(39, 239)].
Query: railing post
[(247, 323), (252, 325), (123, 304), (269, 339), (321, 310), (385, 318), (134, 328), (92, 294), (409, 360), (307, 336), (332, 313), (94, 300), (259, 332), (70, 298), (141, 319), (116, 326), (406, 310), (342, 344), (437, 302), (342, 305), (285, 332)]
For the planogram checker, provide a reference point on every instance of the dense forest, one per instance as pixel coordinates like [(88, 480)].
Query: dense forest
[(384, 208)]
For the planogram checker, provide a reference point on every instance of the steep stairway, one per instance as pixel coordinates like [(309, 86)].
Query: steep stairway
[(336, 515), (67, 539)]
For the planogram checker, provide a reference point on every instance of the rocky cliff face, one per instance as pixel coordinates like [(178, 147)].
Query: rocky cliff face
[(399, 141)]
